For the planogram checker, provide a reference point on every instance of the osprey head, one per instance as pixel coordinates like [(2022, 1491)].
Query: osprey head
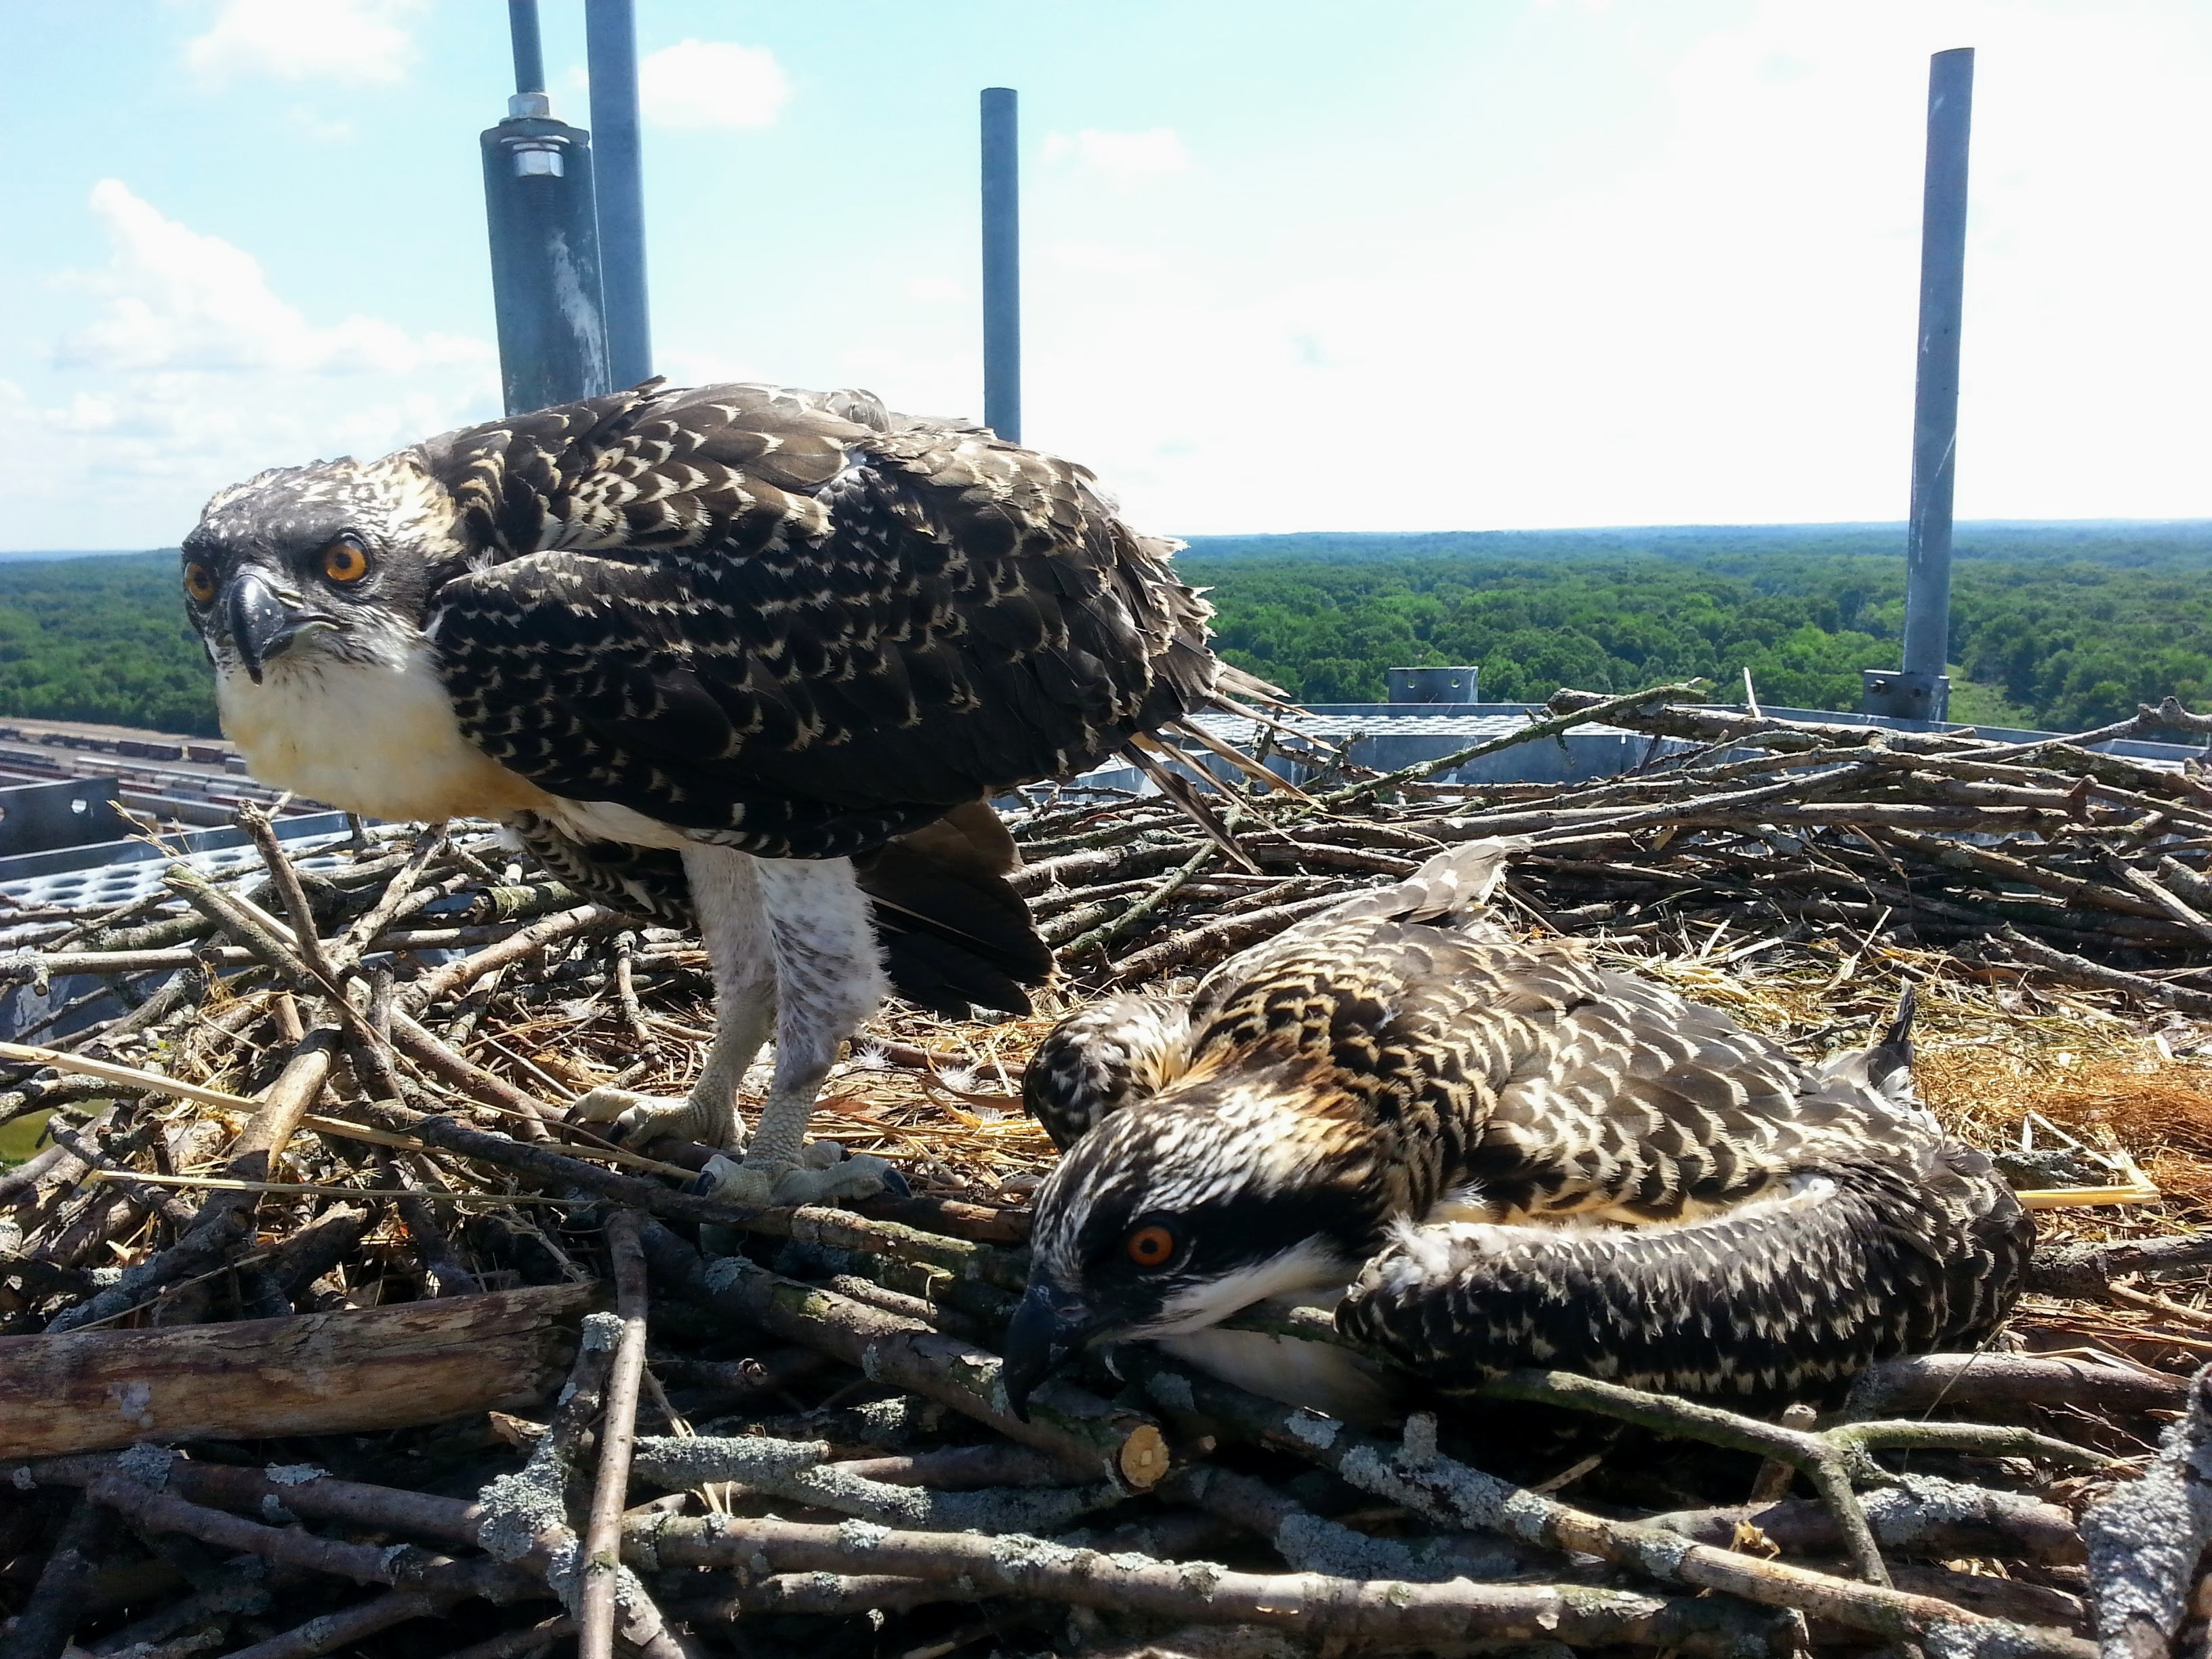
[(1173, 1213), (337, 560)]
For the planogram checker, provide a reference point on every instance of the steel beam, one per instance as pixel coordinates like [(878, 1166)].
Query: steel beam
[(1002, 266), (1922, 691), (529, 46), (610, 53)]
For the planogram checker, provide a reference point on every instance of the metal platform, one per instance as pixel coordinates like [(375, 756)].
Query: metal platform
[(115, 873), (1390, 736)]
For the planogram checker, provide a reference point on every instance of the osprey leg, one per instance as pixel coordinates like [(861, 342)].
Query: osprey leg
[(830, 978), (726, 891)]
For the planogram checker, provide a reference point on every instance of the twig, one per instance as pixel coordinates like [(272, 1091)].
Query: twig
[(1416, 1475), (1918, 1515), (1374, 1610), (1103, 936), (311, 1189), (405, 1565), (457, 976), (525, 1517), (2149, 886), (1313, 1543), (333, 1631), (626, 987), (1924, 1381), (296, 1490), (1119, 1445), (50, 1617), (802, 1471), (2146, 1538), (2082, 971), (1203, 945), (1536, 731), (427, 1051), (447, 1274), (601, 1559), (1818, 1457), (354, 944), (306, 937)]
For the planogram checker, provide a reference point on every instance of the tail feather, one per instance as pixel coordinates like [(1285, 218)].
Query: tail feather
[(1885, 1069), (1233, 681), (954, 932), (1243, 762), (1453, 885), (1183, 794)]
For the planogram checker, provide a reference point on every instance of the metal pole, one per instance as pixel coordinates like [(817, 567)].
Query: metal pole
[(1002, 267), (610, 52), (529, 49), (1922, 690)]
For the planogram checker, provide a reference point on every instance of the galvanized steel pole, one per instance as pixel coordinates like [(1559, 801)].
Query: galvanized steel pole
[(1002, 267), (610, 53), (1923, 691), (529, 48), (545, 282)]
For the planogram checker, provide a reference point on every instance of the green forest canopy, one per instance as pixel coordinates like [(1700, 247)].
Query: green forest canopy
[(2059, 626)]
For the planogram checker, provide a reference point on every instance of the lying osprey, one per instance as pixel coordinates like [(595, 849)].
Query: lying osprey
[(754, 654), (1483, 1154)]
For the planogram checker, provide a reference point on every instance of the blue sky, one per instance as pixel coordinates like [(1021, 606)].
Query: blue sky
[(1288, 266)]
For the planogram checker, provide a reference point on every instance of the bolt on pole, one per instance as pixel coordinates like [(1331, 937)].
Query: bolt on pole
[(1923, 691), (1002, 267)]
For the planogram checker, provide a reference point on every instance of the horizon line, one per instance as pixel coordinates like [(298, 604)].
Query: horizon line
[(1560, 530)]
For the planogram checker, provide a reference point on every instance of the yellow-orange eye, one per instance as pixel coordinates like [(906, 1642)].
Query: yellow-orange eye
[(199, 583), (345, 560), (1150, 1247)]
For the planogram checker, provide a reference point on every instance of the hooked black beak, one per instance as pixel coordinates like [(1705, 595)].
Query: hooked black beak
[(260, 625), (1048, 1328)]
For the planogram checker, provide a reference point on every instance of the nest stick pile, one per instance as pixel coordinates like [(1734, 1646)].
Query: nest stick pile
[(320, 1320)]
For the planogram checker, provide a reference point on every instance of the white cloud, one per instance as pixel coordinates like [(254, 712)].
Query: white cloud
[(192, 372), (306, 39), (712, 83), (1123, 160), (175, 299)]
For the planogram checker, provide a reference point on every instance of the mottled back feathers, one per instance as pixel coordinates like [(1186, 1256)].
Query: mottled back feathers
[(791, 622), (1610, 1177)]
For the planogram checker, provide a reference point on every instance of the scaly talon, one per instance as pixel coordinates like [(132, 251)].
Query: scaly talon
[(821, 1174), (640, 1119)]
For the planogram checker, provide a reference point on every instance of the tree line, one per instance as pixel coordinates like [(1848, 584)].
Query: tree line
[(2059, 626), (2059, 630)]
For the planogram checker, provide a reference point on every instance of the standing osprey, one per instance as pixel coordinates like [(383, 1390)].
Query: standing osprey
[(752, 654), (1483, 1154)]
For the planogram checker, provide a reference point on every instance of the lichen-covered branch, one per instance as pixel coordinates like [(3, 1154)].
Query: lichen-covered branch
[(2148, 1539), (1369, 1610), (1117, 1444), (1415, 1475)]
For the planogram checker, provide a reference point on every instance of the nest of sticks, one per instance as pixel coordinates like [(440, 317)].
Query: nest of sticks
[(318, 1319)]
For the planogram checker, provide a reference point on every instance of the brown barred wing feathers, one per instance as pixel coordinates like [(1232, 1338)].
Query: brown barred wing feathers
[(646, 881), (1784, 1298), (737, 611)]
